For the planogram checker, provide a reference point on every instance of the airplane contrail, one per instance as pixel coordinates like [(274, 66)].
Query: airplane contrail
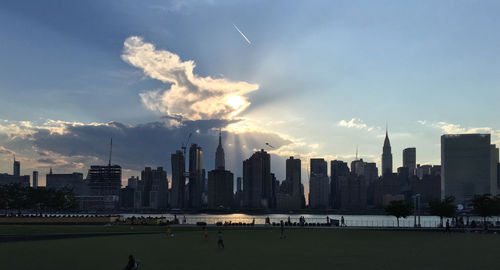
[(243, 35)]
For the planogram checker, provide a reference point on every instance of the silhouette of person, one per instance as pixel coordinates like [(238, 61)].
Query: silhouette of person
[(282, 229), (220, 241), (131, 265), (342, 221), (448, 226)]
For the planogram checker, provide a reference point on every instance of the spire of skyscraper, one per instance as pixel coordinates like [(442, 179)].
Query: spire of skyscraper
[(220, 162), (386, 155)]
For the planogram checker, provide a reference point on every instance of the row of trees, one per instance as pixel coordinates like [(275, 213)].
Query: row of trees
[(15, 197), (483, 205)]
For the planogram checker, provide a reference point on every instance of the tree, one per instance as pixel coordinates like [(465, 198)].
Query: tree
[(485, 206), (398, 209), (444, 208), (17, 197)]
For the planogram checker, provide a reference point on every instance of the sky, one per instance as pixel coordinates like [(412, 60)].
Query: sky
[(311, 78)]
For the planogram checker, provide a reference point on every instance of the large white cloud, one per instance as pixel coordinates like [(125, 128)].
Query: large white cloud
[(188, 95), (355, 123)]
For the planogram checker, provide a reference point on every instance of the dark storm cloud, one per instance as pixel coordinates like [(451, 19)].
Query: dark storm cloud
[(150, 144), (46, 161)]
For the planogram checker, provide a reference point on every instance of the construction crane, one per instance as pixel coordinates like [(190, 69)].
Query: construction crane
[(184, 145)]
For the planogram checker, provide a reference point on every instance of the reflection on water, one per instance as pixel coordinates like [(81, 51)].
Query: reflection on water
[(350, 220)]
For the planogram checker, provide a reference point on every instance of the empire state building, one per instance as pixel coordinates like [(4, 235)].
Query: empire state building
[(220, 162)]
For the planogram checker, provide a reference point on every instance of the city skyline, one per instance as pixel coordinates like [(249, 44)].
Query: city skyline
[(318, 103)]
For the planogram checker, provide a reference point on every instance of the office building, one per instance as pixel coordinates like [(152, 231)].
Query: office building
[(239, 184), (410, 159), (195, 177), (16, 167), (72, 181), (104, 180), (338, 169), (293, 182), (319, 184), (7, 179), (220, 189), (178, 180), (257, 181), (35, 179), (468, 166), (155, 191)]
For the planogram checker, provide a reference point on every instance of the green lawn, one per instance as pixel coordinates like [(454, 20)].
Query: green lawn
[(56, 229), (262, 249)]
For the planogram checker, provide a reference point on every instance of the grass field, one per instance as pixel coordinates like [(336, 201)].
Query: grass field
[(261, 249)]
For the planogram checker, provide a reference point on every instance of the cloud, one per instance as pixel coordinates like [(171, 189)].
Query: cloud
[(5, 151), (355, 123), (451, 128), (76, 145), (188, 95)]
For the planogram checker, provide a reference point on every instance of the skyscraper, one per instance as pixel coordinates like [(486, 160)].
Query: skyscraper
[(319, 184), (220, 189), (468, 166), (386, 156), (155, 188), (35, 179), (410, 159), (73, 181), (178, 179), (105, 180), (195, 176), (17, 167), (220, 162), (257, 183), (239, 184), (293, 176), (338, 169), (220, 182)]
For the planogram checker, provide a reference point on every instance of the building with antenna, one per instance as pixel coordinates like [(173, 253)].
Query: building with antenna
[(15, 178), (220, 162), (104, 183), (220, 182), (386, 156)]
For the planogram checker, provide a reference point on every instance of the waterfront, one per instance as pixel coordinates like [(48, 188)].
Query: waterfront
[(350, 220)]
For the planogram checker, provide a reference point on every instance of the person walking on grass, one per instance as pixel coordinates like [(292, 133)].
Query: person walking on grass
[(220, 242), (282, 230), (132, 264), (205, 233), (169, 232)]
